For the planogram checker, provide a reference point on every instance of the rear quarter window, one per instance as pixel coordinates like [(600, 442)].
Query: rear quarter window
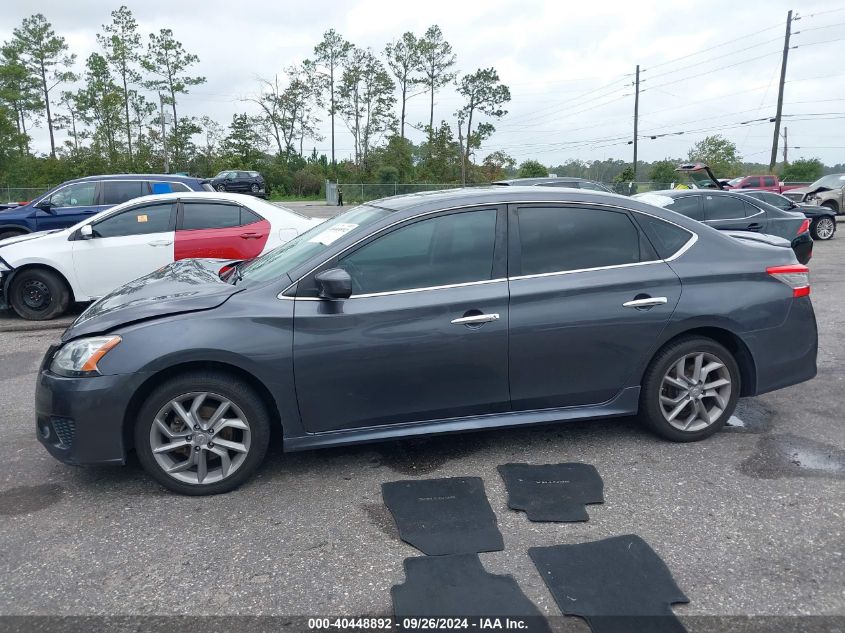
[(666, 238)]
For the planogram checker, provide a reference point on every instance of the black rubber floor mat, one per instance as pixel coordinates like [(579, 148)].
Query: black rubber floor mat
[(458, 586), (552, 492), (443, 516), (617, 584)]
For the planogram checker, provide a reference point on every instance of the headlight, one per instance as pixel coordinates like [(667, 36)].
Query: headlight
[(80, 357)]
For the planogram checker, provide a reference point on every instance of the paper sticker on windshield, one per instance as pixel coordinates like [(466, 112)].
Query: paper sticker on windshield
[(142, 218), (332, 234)]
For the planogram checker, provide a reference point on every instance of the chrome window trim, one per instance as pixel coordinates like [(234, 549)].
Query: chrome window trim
[(584, 270), (444, 287), (689, 244)]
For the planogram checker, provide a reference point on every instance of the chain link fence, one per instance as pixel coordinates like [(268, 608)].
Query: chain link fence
[(21, 194)]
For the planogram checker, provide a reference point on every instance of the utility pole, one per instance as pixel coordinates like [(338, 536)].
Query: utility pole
[(780, 91), (785, 144), (636, 117), (163, 133)]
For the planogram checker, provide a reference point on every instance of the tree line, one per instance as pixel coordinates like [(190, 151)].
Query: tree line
[(120, 111)]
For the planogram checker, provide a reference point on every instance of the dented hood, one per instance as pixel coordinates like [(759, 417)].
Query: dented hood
[(188, 285)]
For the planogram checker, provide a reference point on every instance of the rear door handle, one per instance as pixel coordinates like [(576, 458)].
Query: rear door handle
[(755, 227), (160, 243), (648, 302), (475, 318)]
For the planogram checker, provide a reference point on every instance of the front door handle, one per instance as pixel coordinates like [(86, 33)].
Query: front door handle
[(475, 319), (160, 243), (647, 302), (755, 227), (250, 236)]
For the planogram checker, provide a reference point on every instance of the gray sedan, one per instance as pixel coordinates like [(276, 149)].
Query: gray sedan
[(429, 313)]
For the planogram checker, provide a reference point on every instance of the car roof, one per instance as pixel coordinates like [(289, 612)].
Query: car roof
[(197, 195), (540, 181), (415, 203), (165, 177)]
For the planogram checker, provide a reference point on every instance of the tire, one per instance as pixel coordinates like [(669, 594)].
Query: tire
[(7, 234), (255, 188), (221, 188), (211, 388), (823, 228), (37, 294), (664, 366)]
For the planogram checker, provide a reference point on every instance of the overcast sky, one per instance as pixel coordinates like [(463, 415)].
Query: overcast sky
[(706, 66)]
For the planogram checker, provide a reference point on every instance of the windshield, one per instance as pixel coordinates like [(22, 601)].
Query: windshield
[(318, 239), (733, 182), (831, 182)]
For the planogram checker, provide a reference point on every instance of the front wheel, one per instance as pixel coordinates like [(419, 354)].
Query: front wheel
[(823, 228), (221, 188), (37, 294), (690, 389), (202, 433), (255, 188), (4, 235)]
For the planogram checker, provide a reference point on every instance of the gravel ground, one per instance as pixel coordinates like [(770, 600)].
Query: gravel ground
[(750, 522)]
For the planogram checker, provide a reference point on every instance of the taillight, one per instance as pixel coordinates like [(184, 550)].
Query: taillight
[(805, 226), (796, 276)]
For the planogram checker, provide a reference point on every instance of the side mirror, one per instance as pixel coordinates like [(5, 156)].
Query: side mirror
[(45, 205), (86, 232), (334, 284)]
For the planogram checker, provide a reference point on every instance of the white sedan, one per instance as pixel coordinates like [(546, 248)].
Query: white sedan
[(41, 273)]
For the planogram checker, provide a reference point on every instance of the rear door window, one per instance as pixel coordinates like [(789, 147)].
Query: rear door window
[(120, 191), (726, 208), (557, 239), (769, 181), (209, 215)]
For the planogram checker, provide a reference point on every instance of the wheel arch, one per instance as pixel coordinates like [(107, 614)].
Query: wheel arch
[(733, 343), (149, 385), (38, 265), (23, 230)]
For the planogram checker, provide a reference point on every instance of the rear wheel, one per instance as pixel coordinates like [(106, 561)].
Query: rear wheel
[(823, 228), (690, 389), (37, 294), (202, 433)]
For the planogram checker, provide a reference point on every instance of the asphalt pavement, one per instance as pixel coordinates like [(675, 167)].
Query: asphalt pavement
[(751, 522)]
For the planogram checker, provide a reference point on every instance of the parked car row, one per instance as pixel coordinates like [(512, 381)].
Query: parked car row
[(73, 201)]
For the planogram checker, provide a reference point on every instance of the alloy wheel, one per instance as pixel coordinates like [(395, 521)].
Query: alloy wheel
[(200, 438), (825, 228), (695, 391)]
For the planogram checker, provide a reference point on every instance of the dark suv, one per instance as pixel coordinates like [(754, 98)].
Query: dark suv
[(237, 181), (75, 200)]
